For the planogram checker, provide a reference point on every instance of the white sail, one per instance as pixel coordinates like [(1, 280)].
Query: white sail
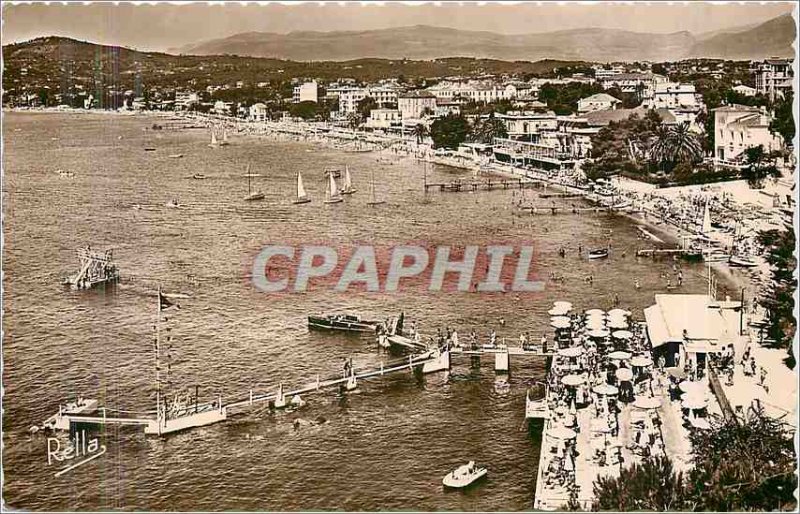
[(334, 191), (213, 137), (706, 220), (348, 184), (301, 191), (225, 134)]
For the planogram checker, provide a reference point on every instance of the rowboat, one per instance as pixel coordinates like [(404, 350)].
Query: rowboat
[(599, 253)]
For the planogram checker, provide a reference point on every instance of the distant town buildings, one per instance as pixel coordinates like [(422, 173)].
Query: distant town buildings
[(598, 102), (773, 77), (306, 92), (738, 127), (383, 118), (641, 84)]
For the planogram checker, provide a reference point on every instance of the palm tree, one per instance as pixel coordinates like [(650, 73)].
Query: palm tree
[(489, 129), (420, 132), (675, 145), (686, 147)]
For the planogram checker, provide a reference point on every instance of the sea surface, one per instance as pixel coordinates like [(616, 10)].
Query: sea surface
[(385, 446)]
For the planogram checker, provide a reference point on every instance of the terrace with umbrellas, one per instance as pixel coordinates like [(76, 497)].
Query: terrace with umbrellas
[(609, 405)]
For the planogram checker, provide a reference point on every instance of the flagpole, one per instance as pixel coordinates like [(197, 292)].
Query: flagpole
[(158, 365)]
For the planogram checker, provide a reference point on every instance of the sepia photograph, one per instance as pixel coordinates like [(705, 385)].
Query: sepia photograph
[(399, 256)]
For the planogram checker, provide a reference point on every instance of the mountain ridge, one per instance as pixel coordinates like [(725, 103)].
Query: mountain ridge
[(425, 42)]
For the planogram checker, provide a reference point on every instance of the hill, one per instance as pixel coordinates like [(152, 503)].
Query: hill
[(772, 38)]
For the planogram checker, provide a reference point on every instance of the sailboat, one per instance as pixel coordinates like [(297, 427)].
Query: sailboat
[(213, 143), (706, 228), (374, 200), (224, 141), (302, 196), (332, 194), (252, 195), (348, 188)]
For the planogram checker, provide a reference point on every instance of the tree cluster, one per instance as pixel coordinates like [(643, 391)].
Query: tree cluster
[(739, 465)]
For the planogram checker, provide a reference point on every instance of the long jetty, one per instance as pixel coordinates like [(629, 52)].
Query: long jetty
[(201, 414)]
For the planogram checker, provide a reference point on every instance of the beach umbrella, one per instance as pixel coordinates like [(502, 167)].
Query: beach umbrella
[(646, 402), (595, 312), (557, 312), (566, 306), (562, 433), (605, 389), (598, 333), (641, 361), (693, 388), (678, 373), (694, 402), (619, 355), (621, 334), (618, 324), (572, 351), (573, 380), (560, 322), (619, 312), (624, 374)]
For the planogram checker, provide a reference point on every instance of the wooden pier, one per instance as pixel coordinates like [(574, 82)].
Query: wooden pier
[(459, 186)]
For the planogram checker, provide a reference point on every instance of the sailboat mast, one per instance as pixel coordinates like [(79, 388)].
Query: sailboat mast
[(158, 362), (248, 180)]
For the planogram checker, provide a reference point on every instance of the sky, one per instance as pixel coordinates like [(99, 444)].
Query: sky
[(164, 26)]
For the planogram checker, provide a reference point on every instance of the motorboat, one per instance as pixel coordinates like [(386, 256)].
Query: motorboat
[(742, 262), (343, 322), (173, 204), (175, 156), (599, 253), (199, 176), (464, 476)]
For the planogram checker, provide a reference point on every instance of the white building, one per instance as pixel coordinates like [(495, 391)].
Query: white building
[(671, 95), (185, 99), (305, 92), (257, 112), (524, 125), (415, 104), (598, 102), (738, 127), (774, 77), (223, 108), (687, 328), (642, 84), (745, 90), (383, 118), (603, 73), (349, 98)]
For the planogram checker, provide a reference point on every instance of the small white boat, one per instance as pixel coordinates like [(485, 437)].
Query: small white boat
[(464, 475), (600, 253), (302, 196), (199, 176), (173, 204), (214, 143), (297, 402), (348, 188), (175, 155), (332, 194)]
